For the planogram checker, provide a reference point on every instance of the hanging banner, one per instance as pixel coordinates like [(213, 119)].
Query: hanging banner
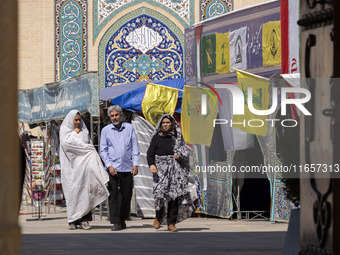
[(233, 138), (294, 37), (271, 43), (290, 13), (222, 53), (157, 101), (250, 122), (208, 54), (252, 20), (190, 55), (197, 127), (238, 48)]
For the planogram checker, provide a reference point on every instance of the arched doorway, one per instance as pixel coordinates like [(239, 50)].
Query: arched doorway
[(147, 46)]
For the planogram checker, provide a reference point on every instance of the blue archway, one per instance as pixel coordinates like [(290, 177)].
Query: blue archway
[(143, 45)]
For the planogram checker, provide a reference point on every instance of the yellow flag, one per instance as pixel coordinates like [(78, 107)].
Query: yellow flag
[(271, 43), (250, 122), (222, 53), (197, 125), (157, 101)]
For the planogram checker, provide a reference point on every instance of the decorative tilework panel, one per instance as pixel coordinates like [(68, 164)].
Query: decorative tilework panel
[(212, 8), (282, 206), (216, 200), (105, 10), (71, 38), (190, 55), (143, 48), (219, 197)]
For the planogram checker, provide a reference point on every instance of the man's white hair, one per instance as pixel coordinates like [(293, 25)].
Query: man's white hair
[(114, 108)]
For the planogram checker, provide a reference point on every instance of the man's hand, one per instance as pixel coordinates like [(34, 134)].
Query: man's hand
[(77, 130), (134, 170), (176, 157), (112, 171), (153, 169)]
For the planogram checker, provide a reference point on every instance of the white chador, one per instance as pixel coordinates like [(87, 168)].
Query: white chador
[(83, 175)]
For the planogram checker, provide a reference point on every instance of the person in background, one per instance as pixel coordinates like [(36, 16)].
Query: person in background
[(168, 159), (83, 175), (120, 153)]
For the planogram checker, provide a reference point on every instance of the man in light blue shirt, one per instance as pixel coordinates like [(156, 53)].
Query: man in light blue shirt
[(120, 153)]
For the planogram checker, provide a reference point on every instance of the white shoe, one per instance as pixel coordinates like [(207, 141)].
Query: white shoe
[(85, 225)]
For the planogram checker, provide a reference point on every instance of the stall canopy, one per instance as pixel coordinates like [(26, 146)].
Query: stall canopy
[(130, 96), (53, 101)]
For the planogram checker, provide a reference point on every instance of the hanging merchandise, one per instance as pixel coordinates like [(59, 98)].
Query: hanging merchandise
[(37, 170), (37, 164)]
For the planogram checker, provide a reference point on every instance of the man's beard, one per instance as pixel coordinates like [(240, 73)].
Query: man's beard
[(116, 122)]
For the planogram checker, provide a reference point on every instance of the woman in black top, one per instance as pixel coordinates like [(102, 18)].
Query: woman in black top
[(168, 159)]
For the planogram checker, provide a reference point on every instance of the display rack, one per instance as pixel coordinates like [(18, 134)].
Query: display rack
[(35, 149), (53, 184), (55, 192), (42, 179), (44, 187)]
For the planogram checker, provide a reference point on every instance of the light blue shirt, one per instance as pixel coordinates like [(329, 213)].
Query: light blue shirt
[(119, 148)]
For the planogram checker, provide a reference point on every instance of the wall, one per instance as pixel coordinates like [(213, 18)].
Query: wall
[(36, 43)]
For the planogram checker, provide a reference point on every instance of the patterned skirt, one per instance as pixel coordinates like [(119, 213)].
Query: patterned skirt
[(171, 182)]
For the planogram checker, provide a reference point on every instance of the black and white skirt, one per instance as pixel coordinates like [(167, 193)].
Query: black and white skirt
[(171, 182)]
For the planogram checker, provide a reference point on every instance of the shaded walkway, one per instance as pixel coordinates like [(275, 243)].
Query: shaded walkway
[(196, 236)]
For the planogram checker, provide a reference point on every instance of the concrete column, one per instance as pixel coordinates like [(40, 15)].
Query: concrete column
[(9, 142)]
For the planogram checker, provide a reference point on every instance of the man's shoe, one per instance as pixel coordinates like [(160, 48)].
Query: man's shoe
[(72, 226), (156, 224), (122, 224), (85, 225), (172, 228), (116, 227)]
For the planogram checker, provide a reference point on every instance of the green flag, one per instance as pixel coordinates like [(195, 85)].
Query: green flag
[(208, 54)]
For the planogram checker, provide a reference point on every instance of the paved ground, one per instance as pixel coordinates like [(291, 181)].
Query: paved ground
[(51, 236)]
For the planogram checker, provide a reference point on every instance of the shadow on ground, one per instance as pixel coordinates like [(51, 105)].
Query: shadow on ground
[(163, 242)]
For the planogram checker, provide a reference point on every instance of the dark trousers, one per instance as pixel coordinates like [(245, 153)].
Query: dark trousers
[(120, 211), (87, 217), (172, 212)]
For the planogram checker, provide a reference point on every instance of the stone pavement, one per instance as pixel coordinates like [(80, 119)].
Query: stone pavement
[(51, 236)]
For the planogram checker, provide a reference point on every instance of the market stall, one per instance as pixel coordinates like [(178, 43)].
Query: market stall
[(246, 40), (45, 107)]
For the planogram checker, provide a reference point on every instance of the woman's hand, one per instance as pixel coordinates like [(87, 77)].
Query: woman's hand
[(77, 130), (153, 169), (176, 157)]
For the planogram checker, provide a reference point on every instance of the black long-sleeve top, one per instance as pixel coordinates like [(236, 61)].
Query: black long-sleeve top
[(160, 145)]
